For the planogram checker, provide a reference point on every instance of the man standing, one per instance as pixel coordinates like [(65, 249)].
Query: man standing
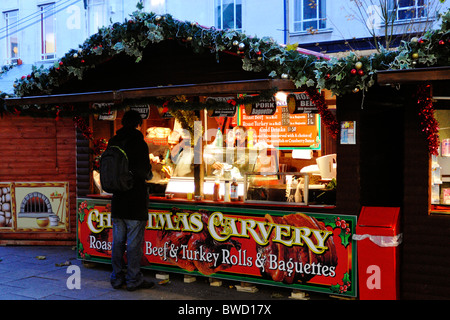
[(129, 209)]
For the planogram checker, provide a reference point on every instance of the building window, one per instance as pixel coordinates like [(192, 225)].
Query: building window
[(408, 9), (48, 31), (229, 14), (12, 36), (309, 15), (97, 15)]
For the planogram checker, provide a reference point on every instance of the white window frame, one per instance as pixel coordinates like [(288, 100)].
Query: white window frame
[(218, 5), (97, 15), (416, 7), (298, 13), (44, 9)]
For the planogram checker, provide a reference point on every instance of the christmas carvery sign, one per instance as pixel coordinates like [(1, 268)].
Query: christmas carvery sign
[(297, 250)]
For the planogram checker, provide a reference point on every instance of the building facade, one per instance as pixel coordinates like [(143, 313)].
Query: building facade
[(41, 31)]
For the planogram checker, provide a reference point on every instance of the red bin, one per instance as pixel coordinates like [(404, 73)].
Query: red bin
[(378, 238)]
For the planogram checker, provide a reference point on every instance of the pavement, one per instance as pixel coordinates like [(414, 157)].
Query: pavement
[(54, 273)]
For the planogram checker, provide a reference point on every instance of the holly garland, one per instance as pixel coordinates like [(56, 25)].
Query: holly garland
[(428, 122), (341, 76)]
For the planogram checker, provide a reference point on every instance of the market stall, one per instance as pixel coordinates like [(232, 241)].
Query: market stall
[(210, 122), (245, 179)]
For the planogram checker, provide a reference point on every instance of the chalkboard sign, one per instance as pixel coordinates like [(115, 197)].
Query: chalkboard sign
[(224, 111), (284, 130), (300, 103), (143, 109), (264, 107)]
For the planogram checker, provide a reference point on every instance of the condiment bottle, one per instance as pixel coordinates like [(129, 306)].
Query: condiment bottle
[(226, 197), (250, 138), (216, 189), (234, 190), (219, 138)]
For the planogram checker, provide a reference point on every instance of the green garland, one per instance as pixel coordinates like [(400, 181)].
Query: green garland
[(342, 76)]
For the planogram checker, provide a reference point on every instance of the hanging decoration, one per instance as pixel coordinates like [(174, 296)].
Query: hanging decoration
[(328, 119), (80, 124), (428, 122)]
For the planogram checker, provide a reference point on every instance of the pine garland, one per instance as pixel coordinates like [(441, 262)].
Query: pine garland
[(341, 76)]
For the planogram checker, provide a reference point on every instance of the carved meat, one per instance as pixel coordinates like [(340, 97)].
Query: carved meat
[(197, 242), (298, 254)]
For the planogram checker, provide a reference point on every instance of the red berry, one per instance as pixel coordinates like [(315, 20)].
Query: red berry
[(441, 42), (353, 71), (361, 72)]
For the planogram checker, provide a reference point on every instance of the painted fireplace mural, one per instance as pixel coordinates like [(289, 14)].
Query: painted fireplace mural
[(34, 206)]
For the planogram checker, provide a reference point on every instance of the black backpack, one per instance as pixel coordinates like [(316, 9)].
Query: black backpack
[(115, 175)]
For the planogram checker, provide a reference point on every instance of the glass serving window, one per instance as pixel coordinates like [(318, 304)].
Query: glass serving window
[(440, 166)]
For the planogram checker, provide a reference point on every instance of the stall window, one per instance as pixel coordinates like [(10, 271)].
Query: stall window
[(12, 36), (440, 166), (228, 14), (48, 31), (309, 15)]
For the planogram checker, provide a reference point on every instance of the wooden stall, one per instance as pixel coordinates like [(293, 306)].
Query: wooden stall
[(274, 233)]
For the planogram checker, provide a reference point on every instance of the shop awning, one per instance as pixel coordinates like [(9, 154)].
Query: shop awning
[(439, 77), (392, 77)]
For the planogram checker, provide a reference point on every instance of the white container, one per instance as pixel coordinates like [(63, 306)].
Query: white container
[(327, 166)]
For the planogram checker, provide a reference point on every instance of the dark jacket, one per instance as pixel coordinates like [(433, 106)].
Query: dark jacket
[(133, 204)]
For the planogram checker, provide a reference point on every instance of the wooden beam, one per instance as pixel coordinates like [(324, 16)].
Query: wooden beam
[(231, 87), (392, 77)]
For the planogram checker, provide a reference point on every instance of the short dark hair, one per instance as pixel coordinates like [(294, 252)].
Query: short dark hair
[(131, 118)]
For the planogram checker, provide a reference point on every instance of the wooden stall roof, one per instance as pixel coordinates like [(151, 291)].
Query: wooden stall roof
[(413, 75), (439, 77), (213, 88)]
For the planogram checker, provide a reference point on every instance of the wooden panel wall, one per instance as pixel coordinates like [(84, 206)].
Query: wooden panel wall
[(39, 150), (425, 249)]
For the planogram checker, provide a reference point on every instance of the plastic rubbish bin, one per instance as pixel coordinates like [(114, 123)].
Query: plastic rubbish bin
[(378, 238)]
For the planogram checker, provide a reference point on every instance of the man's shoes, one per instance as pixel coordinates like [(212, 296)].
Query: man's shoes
[(118, 283), (143, 285)]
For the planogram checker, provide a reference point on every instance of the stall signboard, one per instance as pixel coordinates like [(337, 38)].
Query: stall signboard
[(228, 111), (142, 109), (282, 129), (305, 251)]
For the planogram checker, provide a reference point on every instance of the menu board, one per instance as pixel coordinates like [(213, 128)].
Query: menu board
[(284, 130)]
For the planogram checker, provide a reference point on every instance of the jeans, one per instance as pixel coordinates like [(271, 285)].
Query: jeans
[(128, 236)]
